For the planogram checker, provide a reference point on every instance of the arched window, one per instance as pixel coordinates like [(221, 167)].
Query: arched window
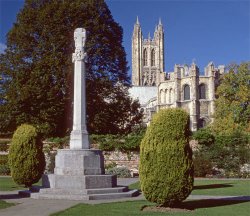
[(171, 96), (166, 96), (145, 57), (162, 96), (202, 123), (186, 92), (153, 57), (202, 91)]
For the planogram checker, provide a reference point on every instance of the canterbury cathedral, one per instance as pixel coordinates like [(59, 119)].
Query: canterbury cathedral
[(184, 87)]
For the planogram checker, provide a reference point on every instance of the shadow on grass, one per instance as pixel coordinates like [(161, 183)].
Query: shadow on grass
[(209, 203), (212, 186)]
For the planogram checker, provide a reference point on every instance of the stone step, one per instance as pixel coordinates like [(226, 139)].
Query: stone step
[(130, 193), (83, 192), (60, 196)]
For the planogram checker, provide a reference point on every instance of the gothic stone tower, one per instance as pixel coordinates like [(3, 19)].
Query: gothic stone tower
[(147, 56)]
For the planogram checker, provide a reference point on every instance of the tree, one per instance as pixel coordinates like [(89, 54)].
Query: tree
[(233, 103), (26, 158), (230, 152), (39, 70), (166, 167)]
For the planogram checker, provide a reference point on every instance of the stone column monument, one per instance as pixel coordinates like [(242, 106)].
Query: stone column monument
[(79, 171), (79, 135)]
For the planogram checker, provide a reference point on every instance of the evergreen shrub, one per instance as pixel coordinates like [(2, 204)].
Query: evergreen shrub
[(166, 168), (26, 157)]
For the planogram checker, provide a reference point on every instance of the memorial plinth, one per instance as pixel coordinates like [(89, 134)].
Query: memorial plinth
[(79, 171)]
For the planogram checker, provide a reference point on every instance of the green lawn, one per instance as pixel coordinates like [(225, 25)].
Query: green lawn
[(216, 187), (7, 184), (4, 204), (199, 207), (133, 208)]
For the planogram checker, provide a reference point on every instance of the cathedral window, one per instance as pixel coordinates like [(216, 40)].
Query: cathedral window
[(170, 95), (162, 97), (186, 92), (166, 96), (202, 91), (145, 57), (153, 57), (202, 123)]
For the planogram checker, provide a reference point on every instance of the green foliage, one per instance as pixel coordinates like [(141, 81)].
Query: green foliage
[(227, 151), (4, 146), (166, 167), (59, 142), (3, 159), (204, 137), (121, 172), (202, 165), (4, 165), (233, 103), (124, 143), (110, 165), (38, 70), (230, 152), (26, 157)]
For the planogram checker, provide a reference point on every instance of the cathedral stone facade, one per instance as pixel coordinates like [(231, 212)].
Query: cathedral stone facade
[(184, 87)]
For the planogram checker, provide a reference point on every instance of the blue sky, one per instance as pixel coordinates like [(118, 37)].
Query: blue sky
[(203, 31)]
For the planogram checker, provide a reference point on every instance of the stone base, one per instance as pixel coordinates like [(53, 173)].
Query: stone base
[(79, 175), (89, 194), (79, 182)]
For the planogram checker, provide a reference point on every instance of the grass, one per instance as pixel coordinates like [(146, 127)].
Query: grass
[(216, 187), (199, 207), (4, 204), (133, 208), (7, 184)]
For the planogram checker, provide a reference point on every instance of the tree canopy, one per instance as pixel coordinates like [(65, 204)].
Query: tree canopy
[(233, 102), (38, 69)]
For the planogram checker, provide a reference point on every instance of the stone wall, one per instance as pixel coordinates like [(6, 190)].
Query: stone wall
[(129, 160)]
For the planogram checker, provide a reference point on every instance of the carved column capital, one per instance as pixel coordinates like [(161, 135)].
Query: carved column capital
[(79, 55)]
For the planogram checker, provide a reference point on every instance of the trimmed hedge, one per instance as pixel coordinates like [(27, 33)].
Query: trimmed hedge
[(26, 157), (166, 166), (124, 143)]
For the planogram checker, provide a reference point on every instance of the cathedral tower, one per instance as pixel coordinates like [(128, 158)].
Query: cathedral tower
[(147, 56)]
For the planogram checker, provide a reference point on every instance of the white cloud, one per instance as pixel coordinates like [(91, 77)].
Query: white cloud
[(2, 48)]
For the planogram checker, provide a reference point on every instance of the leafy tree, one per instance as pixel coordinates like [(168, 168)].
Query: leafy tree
[(233, 103), (230, 152), (166, 166), (204, 137), (38, 68), (26, 158)]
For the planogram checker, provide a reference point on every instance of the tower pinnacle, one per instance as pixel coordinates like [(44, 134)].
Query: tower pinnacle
[(160, 22), (137, 21)]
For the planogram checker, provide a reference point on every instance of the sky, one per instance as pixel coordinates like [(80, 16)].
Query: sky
[(195, 30)]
